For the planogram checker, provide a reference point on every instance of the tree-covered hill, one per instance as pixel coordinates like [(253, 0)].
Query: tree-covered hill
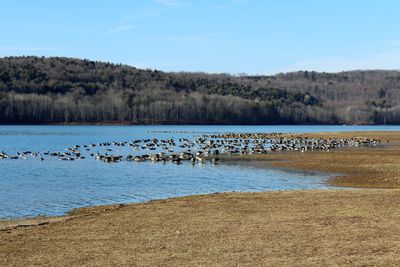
[(65, 90)]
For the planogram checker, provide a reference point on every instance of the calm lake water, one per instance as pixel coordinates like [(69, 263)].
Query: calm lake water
[(33, 187)]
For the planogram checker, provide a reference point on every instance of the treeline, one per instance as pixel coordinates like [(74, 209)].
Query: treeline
[(66, 90)]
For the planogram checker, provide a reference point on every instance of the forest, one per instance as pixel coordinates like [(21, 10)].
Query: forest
[(39, 90)]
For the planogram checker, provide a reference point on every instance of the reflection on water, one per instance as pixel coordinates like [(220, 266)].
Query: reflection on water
[(51, 187)]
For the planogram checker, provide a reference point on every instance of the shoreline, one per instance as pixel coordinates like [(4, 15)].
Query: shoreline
[(176, 123), (356, 167), (277, 227), (285, 228), (287, 161)]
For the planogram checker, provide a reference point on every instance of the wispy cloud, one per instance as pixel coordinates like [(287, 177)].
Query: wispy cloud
[(30, 48), (121, 28), (229, 4), (240, 2), (221, 7), (131, 21), (173, 3)]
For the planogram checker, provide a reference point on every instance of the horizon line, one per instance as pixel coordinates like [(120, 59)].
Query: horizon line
[(238, 74)]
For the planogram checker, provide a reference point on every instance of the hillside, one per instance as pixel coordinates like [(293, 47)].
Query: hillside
[(67, 90)]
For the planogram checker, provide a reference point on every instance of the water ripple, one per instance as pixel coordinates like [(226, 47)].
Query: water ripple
[(32, 187)]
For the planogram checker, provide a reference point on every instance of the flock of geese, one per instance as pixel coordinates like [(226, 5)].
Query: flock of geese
[(205, 148)]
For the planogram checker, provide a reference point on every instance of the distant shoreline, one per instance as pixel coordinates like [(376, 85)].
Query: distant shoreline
[(180, 124), (43, 90)]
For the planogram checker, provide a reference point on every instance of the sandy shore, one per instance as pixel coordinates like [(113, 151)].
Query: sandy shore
[(339, 227)]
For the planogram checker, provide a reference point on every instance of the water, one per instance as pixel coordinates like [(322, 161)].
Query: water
[(51, 187)]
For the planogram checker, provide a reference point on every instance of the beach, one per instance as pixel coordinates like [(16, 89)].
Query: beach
[(355, 226)]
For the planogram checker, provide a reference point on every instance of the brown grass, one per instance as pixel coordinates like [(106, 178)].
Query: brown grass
[(377, 167), (308, 228), (279, 228)]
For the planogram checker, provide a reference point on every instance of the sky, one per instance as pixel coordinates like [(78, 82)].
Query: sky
[(220, 36)]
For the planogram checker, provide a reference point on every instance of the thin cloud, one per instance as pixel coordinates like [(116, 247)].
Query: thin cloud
[(221, 7), (121, 28), (240, 2), (230, 4), (126, 22), (173, 3)]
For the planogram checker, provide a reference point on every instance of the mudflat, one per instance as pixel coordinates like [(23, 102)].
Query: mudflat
[(334, 227), (361, 167)]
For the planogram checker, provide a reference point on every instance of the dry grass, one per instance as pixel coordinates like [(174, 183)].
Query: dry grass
[(279, 228), (377, 167), (308, 228)]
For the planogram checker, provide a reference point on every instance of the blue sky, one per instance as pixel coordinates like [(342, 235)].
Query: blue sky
[(232, 36)]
